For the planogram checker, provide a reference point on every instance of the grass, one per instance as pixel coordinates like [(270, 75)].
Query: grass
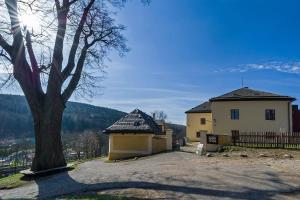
[(13, 181), (231, 149), (17, 180), (92, 196)]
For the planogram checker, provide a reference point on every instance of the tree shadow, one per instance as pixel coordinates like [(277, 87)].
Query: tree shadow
[(64, 184)]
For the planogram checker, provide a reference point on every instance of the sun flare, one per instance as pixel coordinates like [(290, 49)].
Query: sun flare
[(30, 21)]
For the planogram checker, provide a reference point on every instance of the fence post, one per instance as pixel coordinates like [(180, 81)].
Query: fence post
[(282, 140), (233, 139)]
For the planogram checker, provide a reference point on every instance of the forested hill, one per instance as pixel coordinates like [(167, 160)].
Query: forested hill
[(16, 120)]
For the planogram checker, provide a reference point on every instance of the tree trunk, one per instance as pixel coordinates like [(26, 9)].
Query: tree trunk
[(48, 144)]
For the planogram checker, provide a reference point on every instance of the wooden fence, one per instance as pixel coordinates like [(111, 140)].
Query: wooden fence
[(267, 140)]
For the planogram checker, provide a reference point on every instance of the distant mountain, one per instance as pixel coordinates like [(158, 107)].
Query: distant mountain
[(16, 120)]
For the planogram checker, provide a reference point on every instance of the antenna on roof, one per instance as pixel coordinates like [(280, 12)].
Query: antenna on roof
[(242, 82)]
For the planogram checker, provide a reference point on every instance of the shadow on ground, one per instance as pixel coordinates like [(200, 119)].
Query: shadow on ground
[(63, 184)]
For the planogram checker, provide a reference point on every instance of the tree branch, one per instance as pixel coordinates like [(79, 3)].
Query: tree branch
[(57, 58), (76, 77), (14, 21), (72, 2), (5, 56), (7, 47), (71, 60), (101, 38), (21, 68), (34, 65), (57, 5)]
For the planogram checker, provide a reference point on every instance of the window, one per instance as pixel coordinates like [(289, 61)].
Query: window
[(203, 121), (235, 114), (270, 114), (198, 134)]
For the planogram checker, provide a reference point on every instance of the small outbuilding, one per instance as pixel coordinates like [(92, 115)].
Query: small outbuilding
[(137, 134)]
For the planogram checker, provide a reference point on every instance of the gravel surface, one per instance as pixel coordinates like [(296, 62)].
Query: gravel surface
[(175, 175)]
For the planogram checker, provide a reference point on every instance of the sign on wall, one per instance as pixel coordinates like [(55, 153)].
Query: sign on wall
[(212, 139)]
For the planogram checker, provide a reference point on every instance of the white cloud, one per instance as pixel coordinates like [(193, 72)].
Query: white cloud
[(291, 67)]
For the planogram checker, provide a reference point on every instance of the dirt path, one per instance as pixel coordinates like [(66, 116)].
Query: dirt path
[(175, 175)]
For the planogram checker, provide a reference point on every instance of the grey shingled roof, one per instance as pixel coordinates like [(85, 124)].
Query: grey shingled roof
[(247, 94), (135, 122), (202, 108)]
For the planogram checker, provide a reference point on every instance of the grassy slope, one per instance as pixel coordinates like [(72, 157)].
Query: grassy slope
[(13, 181)]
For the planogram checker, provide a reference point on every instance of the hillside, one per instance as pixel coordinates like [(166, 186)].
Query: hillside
[(16, 120), (178, 130)]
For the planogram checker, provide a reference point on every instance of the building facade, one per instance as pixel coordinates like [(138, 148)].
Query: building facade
[(245, 110), (137, 134), (199, 120)]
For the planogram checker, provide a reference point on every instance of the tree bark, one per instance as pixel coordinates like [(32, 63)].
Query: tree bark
[(48, 145)]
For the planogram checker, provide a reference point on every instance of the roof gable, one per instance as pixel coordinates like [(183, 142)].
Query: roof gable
[(135, 122), (250, 94)]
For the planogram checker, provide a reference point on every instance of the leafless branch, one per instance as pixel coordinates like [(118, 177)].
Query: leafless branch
[(7, 47), (70, 65), (34, 65)]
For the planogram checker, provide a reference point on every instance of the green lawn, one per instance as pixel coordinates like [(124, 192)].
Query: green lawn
[(13, 181)]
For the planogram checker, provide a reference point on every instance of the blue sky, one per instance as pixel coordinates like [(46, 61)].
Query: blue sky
[(184, 52)]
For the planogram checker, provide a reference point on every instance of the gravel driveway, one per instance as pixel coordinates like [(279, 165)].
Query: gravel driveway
[(175, 175)]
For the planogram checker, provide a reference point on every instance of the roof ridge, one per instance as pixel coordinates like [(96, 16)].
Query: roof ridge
[(248, 93)]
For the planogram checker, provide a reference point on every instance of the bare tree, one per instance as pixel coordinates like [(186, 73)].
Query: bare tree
[(159, 115), (52, 61), (89, 144)]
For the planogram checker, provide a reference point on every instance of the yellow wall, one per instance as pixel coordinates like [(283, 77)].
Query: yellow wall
[(224, 139), (129, 145), (251, 116), (194, 125), (159, 144), (134, 142)]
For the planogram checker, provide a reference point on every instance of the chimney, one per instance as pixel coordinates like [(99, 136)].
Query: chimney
[(153, 116)]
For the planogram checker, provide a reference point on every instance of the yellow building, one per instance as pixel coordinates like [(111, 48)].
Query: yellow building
[(199, 120), (242, 110), (137, 134)]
